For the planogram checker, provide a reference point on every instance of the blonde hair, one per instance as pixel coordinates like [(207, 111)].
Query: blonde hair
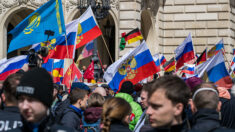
[(114, 109), (95, 100)]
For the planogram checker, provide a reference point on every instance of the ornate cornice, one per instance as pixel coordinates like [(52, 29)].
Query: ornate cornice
[(37, 2), (114, 4)]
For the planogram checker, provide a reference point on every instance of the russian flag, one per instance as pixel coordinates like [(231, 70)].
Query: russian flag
[(216, 71), (48, 65), (188, 69), (88, 28), (162, 59), (214, 50), (11, 66), (184, 52), (134, 66), (156, 59), (57, 71)]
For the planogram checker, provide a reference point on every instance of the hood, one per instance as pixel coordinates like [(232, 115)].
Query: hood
[(206, 119), (125, 96), (92, 114)]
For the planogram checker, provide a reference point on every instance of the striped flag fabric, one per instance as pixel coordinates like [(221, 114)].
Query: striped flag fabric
[(169, 65), (215, 50), (184, 52), (156, 59), (11, 66), (188, 69), (215, 69), (202, 58), (133, 36), (134, 66)]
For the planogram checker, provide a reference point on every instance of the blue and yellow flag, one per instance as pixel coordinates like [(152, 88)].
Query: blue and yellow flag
[(49, 17)]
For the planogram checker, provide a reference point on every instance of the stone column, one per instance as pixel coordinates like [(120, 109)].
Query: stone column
[(129, 15)]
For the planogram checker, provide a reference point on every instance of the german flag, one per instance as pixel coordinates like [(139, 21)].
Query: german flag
[(169, 65), (133, 36), (202, 57)]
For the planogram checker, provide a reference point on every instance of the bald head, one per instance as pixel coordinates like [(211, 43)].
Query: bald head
[(100, 90)]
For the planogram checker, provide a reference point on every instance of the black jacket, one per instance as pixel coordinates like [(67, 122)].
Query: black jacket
[(46, 125), (71, 118), (175, 128), (227, 113), (119, 127), (207, 120), (10, 118)]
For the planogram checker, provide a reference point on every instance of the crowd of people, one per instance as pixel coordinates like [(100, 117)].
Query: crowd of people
[(31, 102)]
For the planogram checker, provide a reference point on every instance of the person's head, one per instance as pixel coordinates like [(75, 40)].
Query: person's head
[(9, 89), (83, 67), (78, 97), (127, 87), (35, 94), (205, 96), (166, 100), (193, 82), (55, 90), (100, 90), (115, 110), (105, 66), (95, 100), (144, 95)]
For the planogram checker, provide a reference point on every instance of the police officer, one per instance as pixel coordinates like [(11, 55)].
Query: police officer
[(35, 96), (10, 118)]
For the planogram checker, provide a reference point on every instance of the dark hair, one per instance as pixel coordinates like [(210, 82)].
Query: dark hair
[(127, 87), (95, 100), (9, 87), (77, 94), (147, 87), (114, 110), (206, 99), (175, 89)]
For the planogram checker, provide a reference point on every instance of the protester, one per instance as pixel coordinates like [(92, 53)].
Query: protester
[(94, 110), (10, 116), (115, 115), (125, 92), (35, 96), (206, 107), (92, 115), (144, 103), (73, 113), (168, 97), (101, 91)]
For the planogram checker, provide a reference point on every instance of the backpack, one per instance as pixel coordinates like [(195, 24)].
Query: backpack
[(90, 127)]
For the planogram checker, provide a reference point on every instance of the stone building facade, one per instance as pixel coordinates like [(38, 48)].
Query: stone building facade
[(163, 23)]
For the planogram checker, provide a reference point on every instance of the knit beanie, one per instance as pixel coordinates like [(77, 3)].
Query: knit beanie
[(127, 87), (37, 83)]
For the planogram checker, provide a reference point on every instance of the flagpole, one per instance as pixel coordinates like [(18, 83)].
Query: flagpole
[(107, 48), (66, 42), (100, 60), (226, 59)]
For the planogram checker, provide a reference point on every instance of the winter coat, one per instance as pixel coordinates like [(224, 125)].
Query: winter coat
[(119, 127), (71, 118), (61, 106), (46, 125), (92, 114), (136, 108), (207, 120), (176, 128), (227, 113), (10, 118)]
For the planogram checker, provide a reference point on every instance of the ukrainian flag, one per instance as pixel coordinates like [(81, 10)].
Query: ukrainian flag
[(49, 17)]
